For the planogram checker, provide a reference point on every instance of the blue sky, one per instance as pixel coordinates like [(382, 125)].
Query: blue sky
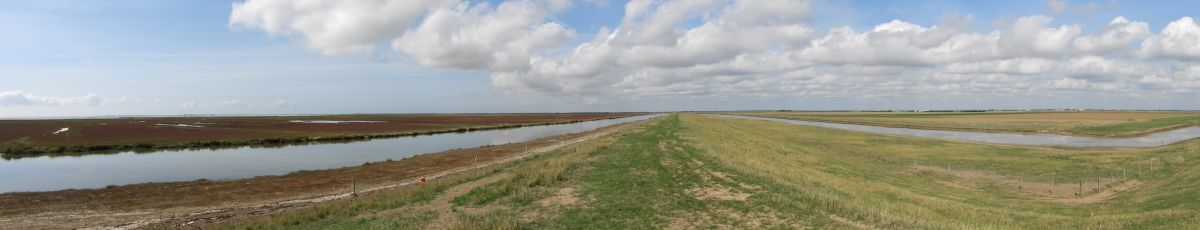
[(179, 51), (185, 57)]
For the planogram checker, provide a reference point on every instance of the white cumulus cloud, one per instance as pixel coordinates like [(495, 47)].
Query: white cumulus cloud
[(480, 36), (333, 27), (1179, 40), (743, 48), (1119, 33)]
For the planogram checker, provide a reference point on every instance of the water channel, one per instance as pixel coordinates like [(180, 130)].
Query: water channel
[(1012, 138), (48, 173)]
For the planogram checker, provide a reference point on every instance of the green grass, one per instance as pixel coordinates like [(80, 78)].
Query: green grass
[(525, 181), (869, 177), (771, 175), (358, 213), (638, 184), (546, 172)]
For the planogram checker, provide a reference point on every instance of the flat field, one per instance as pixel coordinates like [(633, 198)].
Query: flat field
[(83, 135), (1088, 123), (697, 171)]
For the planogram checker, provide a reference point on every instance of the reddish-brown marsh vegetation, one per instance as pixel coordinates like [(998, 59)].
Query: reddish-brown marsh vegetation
[(84, 135)]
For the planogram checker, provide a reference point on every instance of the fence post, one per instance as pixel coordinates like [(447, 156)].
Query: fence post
[(1151, 166)]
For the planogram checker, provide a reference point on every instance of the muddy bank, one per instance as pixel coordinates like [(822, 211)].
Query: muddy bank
[(120, 205)]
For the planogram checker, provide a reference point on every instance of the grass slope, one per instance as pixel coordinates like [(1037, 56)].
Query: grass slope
[(696, 171), (876, 179)]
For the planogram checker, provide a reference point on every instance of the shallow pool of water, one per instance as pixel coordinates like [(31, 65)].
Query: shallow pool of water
[(1037, 139), (99, 170)]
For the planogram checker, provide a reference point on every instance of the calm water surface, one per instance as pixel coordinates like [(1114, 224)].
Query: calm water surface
[(93, 171), (1039, 139)]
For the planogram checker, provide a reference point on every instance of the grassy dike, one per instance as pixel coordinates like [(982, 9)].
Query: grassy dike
[(436, 205), (642, 178), (698, 171)]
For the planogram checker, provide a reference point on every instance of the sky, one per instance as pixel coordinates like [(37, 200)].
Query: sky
[(63, 58)]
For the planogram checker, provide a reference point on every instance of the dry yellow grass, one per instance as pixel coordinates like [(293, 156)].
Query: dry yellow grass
[(870, 178)]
